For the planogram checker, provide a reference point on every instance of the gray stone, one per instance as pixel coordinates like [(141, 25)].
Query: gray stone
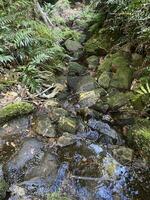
[(103, 128), (93, 62), (75, 68), (66, 139), (86, 83), (43, 126), (72, 45)]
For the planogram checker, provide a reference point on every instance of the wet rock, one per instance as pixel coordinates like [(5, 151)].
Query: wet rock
[(93, 62), (88, 99), (66, 139), (103, 193), (87, 83), (118, 99), (72, 82), (22, 191), (67, 124), (47, 167), (3, 185), (29, 152), (72, 45), (90, 135), (96, 148), (101, 106), (75, 69), (104, 79), (103, 128), (43, 126), (14, 110), (61, 175), (123, 154)]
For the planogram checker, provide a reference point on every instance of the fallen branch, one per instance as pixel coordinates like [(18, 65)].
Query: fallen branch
[(44, 16)]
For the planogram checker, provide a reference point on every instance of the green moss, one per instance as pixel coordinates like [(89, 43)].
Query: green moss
[(119, 99), (139, 135), (67, 124), (3, 188), (57, 196), (15, 109), (5, 83), (120, 61), (122, 79)]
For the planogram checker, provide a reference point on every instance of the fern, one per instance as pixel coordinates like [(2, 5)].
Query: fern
[(23, 38), (144, 89), (4, 59)]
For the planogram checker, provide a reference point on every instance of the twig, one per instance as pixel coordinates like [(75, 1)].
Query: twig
[(50, 87), (89, 178)]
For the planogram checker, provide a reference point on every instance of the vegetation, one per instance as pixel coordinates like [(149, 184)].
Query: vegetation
[(56, 196), (15, 109)]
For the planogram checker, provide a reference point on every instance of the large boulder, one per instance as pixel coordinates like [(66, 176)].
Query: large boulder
[(121, 73), (73, 46)]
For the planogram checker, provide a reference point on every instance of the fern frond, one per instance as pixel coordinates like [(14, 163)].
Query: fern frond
[(23, 38), (4, 59)]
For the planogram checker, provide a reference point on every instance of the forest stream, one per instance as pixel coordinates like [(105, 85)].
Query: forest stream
[(74, 141)]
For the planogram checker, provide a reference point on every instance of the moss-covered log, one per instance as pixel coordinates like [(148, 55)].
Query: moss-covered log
[(15, 109)]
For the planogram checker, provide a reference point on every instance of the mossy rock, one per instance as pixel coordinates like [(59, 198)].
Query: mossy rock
[(119, 99), (3, 185), (75, 69), (139, 136), (3, 188), (122, 79), (12, 110), (67, 124), (92, 62), (119, 65), (104, 79), (57, 196), (95, 43), (88, 98)]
